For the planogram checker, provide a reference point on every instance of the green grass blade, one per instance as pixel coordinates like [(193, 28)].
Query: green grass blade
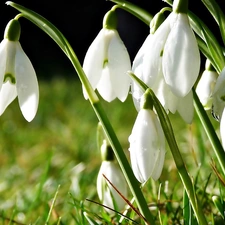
[(218, 15)]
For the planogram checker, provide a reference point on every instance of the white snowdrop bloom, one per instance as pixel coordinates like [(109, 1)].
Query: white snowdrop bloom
[(147, 146), (146, 65), (222, 128), (173, 47), (181, 57), (171, 103), (106, 64), (17, 75), (218, 96), (110, 169), (107, 194), (205, 87)]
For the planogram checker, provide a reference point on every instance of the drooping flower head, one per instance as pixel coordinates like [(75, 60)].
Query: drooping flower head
[(206, 85), (17, 75), (147, 143), (218, 96), (169, 63), (110, 169), (107, 61)]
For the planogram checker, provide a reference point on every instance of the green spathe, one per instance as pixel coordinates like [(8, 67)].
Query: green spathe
[(180, 6), (110, 20), (157, 20), (13, 30)]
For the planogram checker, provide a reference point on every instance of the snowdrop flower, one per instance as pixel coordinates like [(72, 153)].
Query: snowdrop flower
[(222, 128), (218, 96), (171, 103), (147, 144), (17, 75), (140, 66), (206, 85), (107, 61), (174, 42), (107, 194)]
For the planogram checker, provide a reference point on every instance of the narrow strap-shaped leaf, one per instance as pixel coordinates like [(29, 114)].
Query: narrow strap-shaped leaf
[(208, 37), (218, 15)]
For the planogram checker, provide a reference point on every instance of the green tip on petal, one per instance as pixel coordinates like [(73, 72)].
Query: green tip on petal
[(12, 30), (9, 77), (110, 20), (180, 6), (146, 100)]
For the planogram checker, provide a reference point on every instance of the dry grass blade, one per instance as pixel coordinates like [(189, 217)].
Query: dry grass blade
[(127, 201)]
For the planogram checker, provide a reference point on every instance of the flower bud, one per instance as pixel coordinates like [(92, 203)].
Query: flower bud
[(206, 85), (147, 146), (110, 169)]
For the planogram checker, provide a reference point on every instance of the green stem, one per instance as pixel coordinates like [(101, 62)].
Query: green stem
[(210, 131), (169, 134), (58, 37)]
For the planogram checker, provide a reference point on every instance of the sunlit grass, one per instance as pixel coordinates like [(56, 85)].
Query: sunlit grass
[(58, 151)]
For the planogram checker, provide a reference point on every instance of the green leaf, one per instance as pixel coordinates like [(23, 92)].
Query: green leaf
[(135, 10), (214, 48), (218, 15)]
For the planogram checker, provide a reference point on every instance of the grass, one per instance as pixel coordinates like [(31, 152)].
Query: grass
[(49, 166)]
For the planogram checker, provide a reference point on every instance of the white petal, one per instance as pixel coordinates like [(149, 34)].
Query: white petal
[(111, 170), (181, 57), (151, 60), (145, 141), (95, 56), (159, 162), (205, 88), (137, 92), (138, 60), (186, 107), (168, 100), (218, 96), (104, 86), (119, 64), (3, 58), (171, 100), (7, 95), (222, 129), (26, 84)]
